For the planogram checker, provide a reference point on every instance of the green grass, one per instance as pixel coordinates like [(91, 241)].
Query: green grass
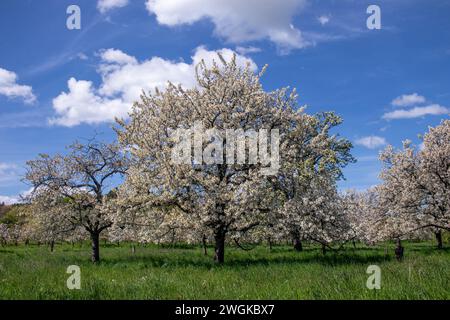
[(32, 272)]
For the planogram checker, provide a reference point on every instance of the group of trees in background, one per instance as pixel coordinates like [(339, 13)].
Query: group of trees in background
[(77, 195)]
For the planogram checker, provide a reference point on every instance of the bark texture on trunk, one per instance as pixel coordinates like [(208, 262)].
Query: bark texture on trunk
[(95, 238), (205, 252), (297, 244), (219, 235), (399, 250), (219, 249), (52, 246), (439, 239)]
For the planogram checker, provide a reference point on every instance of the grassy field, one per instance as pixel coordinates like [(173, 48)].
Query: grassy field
[(32, 272)]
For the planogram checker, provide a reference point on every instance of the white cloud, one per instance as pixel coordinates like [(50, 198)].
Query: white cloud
[(8, 200), (123, 79), (371, 142), (407, 100), (9, 175), (10, 88), (433, 109), (323, 20), (81, 104), (82, 56), (247, 50), (421, 146), (117, 56), (237, 21), (106, 5), (201, 53), (8, 172), (15, 199), (5, 166)]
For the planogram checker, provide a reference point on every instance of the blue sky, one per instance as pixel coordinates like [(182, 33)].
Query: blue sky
[(58, 85)]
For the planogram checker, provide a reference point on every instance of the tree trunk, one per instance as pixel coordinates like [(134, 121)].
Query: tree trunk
[(52, 245), (133, 249), (219, 249), (439, 239), (297, 244), (399, 250), (95, 237), (324, 249), (205, 252), (269, 240), (172, 241)]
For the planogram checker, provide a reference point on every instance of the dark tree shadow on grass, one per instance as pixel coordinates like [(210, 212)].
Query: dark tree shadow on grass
[(194, 260)]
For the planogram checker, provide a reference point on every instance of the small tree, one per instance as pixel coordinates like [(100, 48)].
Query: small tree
[(77, 183), (416, 184), (50, 219), (306, 182)]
